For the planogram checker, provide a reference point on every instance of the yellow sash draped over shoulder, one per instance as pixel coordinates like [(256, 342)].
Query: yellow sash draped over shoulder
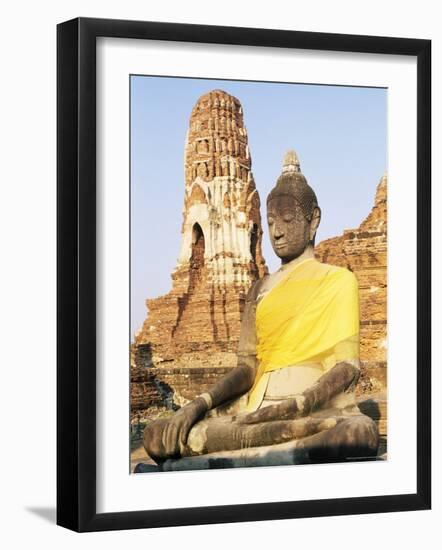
[(311, 316)]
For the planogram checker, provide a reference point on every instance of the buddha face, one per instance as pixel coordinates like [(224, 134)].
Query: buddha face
[(290, 231)]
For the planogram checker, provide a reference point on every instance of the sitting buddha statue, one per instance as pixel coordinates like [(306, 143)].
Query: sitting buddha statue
[(291, 397)]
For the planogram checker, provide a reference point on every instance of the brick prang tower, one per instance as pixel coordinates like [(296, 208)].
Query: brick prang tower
[(196, 325)]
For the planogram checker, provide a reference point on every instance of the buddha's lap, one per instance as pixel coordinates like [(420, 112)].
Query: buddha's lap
[(226, 433)]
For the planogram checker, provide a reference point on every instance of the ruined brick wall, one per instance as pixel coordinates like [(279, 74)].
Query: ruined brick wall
[(364, 251)]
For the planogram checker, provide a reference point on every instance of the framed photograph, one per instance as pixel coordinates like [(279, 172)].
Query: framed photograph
[(243, 274)]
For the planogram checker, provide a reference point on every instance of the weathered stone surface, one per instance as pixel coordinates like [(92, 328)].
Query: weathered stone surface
[(293, 452), (143, 468), (196, 325), (375, 406), (364, 251), (281, 454)]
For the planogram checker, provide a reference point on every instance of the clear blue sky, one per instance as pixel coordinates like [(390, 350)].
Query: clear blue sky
[(339, 134)]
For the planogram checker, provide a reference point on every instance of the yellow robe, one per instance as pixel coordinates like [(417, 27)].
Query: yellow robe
[(311, 316)]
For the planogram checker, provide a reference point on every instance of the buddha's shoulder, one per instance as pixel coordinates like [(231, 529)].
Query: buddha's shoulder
[(255, 289), (335, 271)]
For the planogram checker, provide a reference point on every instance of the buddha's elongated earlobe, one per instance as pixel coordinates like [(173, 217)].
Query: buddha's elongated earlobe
[(314, 223)]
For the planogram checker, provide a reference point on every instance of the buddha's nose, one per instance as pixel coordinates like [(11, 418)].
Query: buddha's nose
[(277, 232)]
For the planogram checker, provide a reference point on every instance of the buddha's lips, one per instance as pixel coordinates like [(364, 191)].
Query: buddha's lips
[(280, 245)]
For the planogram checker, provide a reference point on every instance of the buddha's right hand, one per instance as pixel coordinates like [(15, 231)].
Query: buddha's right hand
[(177, 429), (286, 410)]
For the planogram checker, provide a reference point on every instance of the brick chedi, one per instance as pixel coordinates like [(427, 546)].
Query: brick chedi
[(364, 251), (191, 334)]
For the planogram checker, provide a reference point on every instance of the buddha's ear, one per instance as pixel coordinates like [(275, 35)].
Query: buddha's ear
[(314, 224)]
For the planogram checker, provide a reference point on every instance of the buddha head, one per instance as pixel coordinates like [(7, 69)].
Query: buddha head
[(293, 214)]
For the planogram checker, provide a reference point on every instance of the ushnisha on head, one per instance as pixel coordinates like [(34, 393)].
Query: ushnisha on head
[(293, 214)]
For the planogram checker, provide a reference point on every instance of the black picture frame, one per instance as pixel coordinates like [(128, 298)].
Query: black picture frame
[(77, 287)]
